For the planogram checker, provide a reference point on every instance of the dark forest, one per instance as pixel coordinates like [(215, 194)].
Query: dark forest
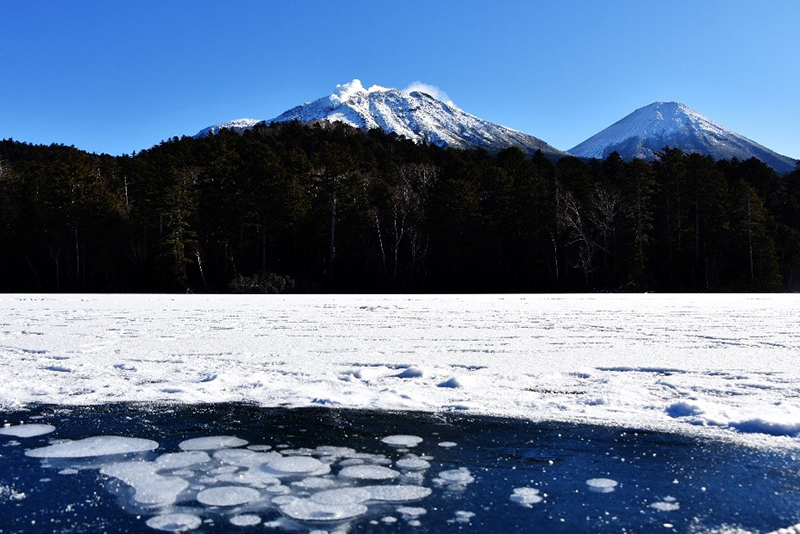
[(293, 208)]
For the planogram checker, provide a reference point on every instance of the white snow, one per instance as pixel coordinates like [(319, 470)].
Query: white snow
[(27, 431), (721, 365)]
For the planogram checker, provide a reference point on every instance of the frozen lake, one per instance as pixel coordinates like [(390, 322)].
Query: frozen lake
[(235, 467), (688, 363), (572, 413)]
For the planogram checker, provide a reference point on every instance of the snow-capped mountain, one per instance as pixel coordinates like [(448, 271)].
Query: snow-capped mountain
[(237, 125), (415, 115), (649, 129)]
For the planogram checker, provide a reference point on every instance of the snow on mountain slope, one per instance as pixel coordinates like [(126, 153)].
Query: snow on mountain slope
[(237, 125), (413, 114), (649, 129)]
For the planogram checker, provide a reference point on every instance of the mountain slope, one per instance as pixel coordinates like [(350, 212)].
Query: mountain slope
[(237, 125), (415, 115), (649, 129)]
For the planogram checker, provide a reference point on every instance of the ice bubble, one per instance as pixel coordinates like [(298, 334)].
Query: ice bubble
[(368, 472), (223, 470), (454, 478), (151, 489), (250, 477), (601, 485), (211, 443), (389, 520), (308, 510), (295, 465), (462, 516), (351, 461), (526, 497), (281, 500), (27, 431), (227, 496), (402, 441), (335, 451), (245, 520), (277, 489), (314, 483), (179, 460), (448, 444), (667, 505), (68, 471), (399, 493), (412, 463), (174, 522), (341, 496), (94, 446), (411, 512)]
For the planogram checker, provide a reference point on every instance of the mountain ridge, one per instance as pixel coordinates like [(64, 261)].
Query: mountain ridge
[(415, 115)]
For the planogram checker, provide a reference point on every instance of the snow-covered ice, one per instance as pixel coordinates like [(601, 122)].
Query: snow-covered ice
[(703, 364)]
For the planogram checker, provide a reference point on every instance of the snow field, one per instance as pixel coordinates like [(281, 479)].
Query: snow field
[(709, 364)]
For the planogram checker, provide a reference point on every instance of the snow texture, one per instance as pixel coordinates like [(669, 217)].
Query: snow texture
[(646, 131), (422, 113), (721, 365)]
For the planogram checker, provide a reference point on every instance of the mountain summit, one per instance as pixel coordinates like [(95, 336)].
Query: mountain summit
[(649, 129), (415, 115)]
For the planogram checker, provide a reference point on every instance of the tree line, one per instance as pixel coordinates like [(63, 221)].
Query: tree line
[(289, 207)]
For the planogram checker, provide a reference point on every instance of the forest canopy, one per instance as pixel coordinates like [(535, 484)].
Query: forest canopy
[(330, 208)]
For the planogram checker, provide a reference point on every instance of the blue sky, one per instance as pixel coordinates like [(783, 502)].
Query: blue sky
[(122, 76)]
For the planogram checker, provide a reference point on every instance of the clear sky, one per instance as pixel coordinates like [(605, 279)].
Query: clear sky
[(117, 77)]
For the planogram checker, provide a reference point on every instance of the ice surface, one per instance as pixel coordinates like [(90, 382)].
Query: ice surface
[(698, 364), (212, 443), (602, 485), (27, 431), (227, 496), (94, 446), (174, 522)]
